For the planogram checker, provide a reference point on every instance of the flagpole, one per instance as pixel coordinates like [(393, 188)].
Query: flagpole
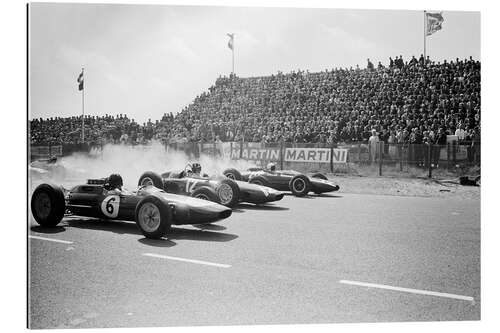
[(425, 37), (83, 109)]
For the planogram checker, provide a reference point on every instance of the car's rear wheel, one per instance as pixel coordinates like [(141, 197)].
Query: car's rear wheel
[(149, 178), (153, 217), (232, 174), (205, 193), (259, 181), (300, 185), (47, 205)]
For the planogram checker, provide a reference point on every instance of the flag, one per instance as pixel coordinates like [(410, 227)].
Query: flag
[(230, 44), (434, 22), (80, 81)]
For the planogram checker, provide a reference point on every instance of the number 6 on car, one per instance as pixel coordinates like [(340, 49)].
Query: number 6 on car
[(111, 205)]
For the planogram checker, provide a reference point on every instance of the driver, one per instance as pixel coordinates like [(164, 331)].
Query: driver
[(196, 167), (271, 167), (192, 170), (114, 185)]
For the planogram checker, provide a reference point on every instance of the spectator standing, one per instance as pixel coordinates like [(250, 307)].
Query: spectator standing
[(439, 143), (369, 65), (373, 143)]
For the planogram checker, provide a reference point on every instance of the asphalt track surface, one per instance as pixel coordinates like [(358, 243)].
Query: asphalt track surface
[(297, 261)]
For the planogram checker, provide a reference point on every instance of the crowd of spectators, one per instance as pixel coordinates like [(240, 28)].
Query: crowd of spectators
[(98, 130), (404, 102)]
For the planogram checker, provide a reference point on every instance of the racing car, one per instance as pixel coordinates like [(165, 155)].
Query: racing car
[(153, 209), (53, 168), (284, 180), (46, 167), (219, 189)]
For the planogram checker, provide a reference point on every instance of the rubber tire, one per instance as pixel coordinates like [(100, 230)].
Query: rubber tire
[(235, 173), (156, 178), (57, 205), (207, 192), (319, 175), (259, 181), (236, 192), (306, 189), (165, 217)]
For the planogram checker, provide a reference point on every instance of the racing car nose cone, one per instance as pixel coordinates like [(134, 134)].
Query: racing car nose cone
[(225, 214)]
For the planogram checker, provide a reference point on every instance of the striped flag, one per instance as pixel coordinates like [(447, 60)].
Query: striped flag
[(434, 22), (230, 44), (80, 81)]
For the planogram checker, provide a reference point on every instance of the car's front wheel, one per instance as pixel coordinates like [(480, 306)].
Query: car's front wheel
[(48, 205), (153, 217), (300, 185), (228, 192)]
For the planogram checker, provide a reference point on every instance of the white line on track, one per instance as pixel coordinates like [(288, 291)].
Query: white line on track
[(51, 239), (193, 261), (408, 290)]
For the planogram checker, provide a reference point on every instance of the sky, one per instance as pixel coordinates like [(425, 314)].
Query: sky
[(147, 60)]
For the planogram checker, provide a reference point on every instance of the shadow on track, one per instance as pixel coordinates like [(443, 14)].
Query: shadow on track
[(157, 242), (304, 197), (325, 195), (209, 226), (47, 230), (259, 207), (177, 232), (200, 235)]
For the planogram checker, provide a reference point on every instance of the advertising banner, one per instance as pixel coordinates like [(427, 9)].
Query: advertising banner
[(315, 155), (256, 154)]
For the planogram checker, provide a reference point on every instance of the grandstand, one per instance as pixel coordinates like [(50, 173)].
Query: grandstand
[(403, 102)]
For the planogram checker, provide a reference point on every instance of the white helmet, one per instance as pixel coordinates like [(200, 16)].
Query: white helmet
[(271, 166)]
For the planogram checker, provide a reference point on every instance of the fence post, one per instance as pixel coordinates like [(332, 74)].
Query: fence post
[(380, 151), (331, 158), (359, 153), (454, 153), (429, 156), (282, 152), (400, 156), (241, 148), (447, 156)]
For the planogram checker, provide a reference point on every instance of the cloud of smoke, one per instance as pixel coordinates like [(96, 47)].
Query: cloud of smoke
[(130, 162)]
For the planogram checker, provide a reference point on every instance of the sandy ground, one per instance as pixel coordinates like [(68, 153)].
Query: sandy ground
[(399, 186)]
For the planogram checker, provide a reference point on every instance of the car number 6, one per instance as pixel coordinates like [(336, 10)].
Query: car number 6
[(110, 206)]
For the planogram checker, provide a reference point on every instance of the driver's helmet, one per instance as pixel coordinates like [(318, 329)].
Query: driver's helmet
[(271, 166), (115, 181), (193, 168), (196, 168)]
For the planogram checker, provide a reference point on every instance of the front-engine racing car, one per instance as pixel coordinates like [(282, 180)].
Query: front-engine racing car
[(284, 180), (153, 209), (219, 189)]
